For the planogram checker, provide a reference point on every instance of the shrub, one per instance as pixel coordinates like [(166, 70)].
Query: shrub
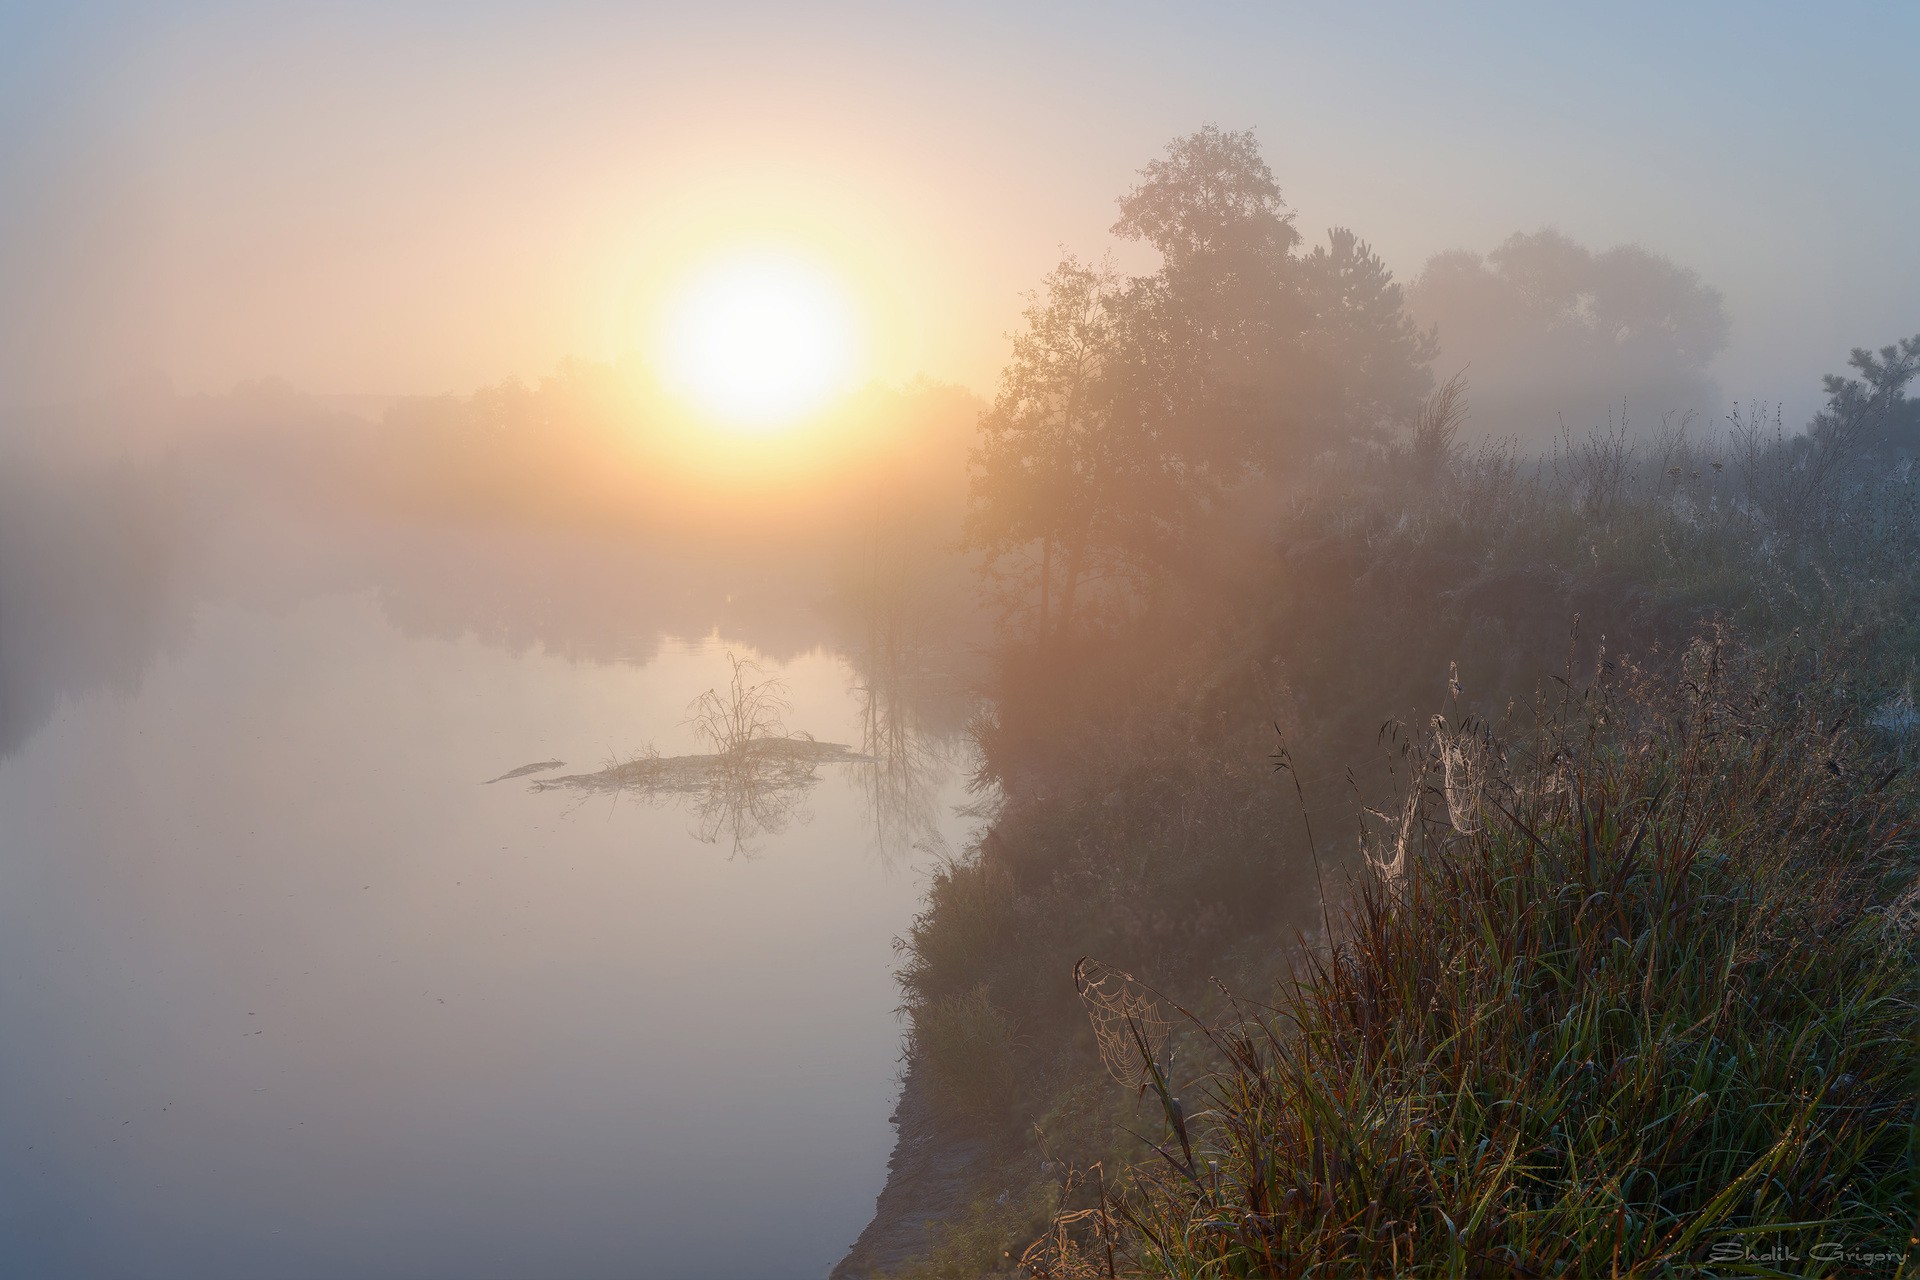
[(965, 1047)]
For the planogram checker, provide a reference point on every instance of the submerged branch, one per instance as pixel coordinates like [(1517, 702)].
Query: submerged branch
[(789, 761)]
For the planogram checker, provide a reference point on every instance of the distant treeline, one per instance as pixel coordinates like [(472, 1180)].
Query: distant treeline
[(1141, 419), (583, 512), (596, 445), (86, 561)]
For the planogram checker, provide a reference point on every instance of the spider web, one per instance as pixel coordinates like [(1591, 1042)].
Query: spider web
[(1127, 1023)]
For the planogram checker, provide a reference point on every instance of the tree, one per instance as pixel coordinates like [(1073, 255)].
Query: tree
[(1130, 408), (1034, 475), (1874, 409), (1281, 354), (1212, 209), (1373, 358), (1215, 330), (1552, 329)]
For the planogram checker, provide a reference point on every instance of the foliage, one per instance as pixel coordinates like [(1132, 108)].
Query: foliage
[(967, 1047), (1130, 409), (1138, 822), (1550, 328), (985, 1238), (1050, 466), (1211, 207), (1873, 409), (1362, 338), (1633, 1000)]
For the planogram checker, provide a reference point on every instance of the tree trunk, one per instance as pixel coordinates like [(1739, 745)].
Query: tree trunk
[(1076, 560), (1046, 581)]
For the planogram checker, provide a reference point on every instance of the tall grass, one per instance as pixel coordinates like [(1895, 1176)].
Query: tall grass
[(1630, 1002)]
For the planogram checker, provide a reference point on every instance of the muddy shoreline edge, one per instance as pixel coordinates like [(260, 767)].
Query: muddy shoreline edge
[(928, 1175)]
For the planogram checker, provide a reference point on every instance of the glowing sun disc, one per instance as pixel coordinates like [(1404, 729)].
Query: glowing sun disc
[(760, 339)]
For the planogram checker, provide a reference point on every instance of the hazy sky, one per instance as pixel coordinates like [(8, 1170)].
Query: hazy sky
[(429, 197)]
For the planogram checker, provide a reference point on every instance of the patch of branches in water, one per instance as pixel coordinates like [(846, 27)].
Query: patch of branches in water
[(753, 779)]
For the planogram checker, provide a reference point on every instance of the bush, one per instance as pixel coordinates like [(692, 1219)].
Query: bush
[(965, 1047)]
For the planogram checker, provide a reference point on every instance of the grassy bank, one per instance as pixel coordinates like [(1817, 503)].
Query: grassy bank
[(1494, 1057), (1640, 998)]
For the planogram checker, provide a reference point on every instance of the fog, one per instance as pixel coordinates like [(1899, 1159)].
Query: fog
[(368, 202), (293, 993), (470, 807)]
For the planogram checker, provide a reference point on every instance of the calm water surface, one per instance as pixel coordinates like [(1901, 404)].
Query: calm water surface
[(287, 993)]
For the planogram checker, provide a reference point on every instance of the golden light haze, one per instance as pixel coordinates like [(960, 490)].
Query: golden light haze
[(431, 213), (608, 447), (758, 337), (427, 199)]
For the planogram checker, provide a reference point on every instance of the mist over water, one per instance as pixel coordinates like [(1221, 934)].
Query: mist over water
[(289, 992)]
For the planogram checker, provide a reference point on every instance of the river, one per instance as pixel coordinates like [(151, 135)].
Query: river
[(287, 989)]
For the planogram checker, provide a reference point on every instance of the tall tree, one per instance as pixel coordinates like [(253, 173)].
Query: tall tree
[(1280, 354), (1130, 407), (1216, 328), (1213, 210), (1036, 475)]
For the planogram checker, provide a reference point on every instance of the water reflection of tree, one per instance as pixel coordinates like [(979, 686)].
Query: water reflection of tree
[(911, 755), (913, 707)]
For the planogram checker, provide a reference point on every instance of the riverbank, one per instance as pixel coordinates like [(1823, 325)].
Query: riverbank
[(1183, 787), (929, 1173)]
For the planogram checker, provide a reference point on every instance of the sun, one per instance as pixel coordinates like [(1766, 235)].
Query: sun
[(758, 339)]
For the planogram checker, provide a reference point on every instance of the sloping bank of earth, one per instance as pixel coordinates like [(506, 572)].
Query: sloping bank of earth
[(930, 1175)]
